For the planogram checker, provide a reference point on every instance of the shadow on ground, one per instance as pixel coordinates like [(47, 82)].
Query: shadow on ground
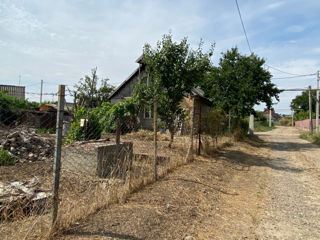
[(256, 141), (101, 233)]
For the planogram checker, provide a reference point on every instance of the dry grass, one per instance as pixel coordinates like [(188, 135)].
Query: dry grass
[(82, 196)]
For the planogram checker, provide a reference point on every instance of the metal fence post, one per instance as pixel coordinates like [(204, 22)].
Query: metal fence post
[(57, 154), (155, 118)]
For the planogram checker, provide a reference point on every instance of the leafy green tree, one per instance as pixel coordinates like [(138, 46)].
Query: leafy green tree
[(301, 102), (238, 83), (174, 69), (89, 93)]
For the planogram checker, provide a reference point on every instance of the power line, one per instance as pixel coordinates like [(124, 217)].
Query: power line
[(295, 74), (244, 29), (245, 33), (306, 75)]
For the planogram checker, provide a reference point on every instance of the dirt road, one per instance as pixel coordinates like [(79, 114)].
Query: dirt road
[(292, 208), (265, 188)]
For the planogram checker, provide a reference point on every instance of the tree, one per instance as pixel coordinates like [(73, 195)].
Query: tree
[(238, 83), (301, 102), (89, 94), (173, 70)]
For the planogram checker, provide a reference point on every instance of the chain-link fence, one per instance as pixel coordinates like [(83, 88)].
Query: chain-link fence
[(60, 163)]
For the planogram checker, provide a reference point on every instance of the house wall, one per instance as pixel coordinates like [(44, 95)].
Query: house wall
[(127, 90)]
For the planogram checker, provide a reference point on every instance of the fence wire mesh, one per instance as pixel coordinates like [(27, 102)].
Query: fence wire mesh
[(103, 159)]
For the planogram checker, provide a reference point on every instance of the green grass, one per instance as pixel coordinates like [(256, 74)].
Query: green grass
[(6, 158), (313, 138), (262, 127), (46, 130)]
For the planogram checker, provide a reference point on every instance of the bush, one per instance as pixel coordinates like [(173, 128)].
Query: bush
[(92, 129), (302, 115), (260, 116), (6, 158), (240, 129), (215, 123), (11, 108)]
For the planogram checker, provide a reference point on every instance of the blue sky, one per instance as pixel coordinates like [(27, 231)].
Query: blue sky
[(60, 41)]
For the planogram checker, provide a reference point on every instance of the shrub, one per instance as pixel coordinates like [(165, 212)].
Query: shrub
[(215, 123), (6, 158), (92, 129), (11, 108), (240, 128)]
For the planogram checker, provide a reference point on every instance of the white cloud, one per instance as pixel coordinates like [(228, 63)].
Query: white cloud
[(275, 5)]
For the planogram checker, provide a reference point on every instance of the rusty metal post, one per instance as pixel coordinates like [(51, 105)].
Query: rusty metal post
[(155, 139), (57, 155)]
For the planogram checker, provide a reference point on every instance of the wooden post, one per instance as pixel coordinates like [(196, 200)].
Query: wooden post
[(118, 132), (229, 125), (310, 111), (57, 155), (199, 130), (292, 118), (155, 118), (189, 156)]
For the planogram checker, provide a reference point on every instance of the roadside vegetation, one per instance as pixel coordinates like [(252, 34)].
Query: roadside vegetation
[(261, 123), (300, 104), (313, 138)]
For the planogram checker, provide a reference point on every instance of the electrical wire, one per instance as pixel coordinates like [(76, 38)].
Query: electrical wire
[(245, 33), (306, 75), (244, 29)]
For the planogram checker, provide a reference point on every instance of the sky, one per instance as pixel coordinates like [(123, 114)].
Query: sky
[(60, 41)]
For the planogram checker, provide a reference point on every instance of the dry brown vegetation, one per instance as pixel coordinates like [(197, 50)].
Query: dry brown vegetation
[(81, 196)]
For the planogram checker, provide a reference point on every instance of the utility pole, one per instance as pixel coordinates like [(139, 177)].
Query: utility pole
[(292, 116), (317, 102), (310, 110), (41, 88), (251, 124), (270, 117)]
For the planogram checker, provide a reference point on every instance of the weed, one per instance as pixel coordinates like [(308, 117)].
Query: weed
[(6, 158)]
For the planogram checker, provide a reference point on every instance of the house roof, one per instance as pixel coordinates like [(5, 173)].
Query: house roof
[(195, 92), (125, 82)]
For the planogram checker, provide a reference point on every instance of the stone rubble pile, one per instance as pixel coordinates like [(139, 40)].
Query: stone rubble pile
[(28, 146), (19, 199)]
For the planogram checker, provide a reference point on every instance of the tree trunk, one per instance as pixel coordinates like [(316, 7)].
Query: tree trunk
[(171, 137)]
